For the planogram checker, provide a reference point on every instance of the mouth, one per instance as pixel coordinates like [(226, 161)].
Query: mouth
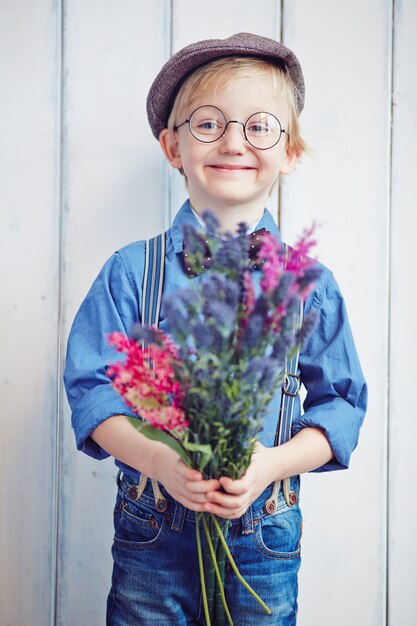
[(228, 167)]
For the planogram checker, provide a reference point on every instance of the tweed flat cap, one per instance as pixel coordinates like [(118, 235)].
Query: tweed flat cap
[(166, 85)]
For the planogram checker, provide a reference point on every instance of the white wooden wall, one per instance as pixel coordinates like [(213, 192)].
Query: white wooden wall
[(81, 175)]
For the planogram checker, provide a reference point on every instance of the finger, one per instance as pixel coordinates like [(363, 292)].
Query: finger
[(196, 499), (236, 487), (184, 497), (179, 491), (187, 473), (225, 500), (203, 486), (190, 504), (220, 511)]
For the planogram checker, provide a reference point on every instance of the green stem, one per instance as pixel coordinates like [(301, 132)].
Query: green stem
[(216, 569), (201, 568), (236, 571)]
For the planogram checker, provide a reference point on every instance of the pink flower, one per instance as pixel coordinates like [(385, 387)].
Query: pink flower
[(271, 254), (298, 256), (146, 380), (295, 260)]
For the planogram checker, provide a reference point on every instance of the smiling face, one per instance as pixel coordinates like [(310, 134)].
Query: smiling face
[(229, 176)]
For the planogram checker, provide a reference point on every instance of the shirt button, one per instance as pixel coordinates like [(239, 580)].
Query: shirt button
[(292, 497)]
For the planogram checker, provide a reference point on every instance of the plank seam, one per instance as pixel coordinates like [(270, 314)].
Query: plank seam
[(61, 13), (389, 308)]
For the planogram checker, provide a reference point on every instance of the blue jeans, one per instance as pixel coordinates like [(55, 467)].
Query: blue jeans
[(155, 575)]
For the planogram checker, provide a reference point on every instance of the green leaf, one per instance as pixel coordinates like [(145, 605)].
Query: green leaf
[(156, 434), (135, 421), (204, 449)]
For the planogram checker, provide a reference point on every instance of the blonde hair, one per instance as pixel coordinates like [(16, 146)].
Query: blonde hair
[(217, 74)]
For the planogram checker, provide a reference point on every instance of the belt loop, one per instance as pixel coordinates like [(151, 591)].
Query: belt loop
[(178, 518), (247, 522)]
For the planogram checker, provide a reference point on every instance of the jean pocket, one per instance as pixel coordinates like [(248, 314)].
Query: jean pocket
[(278, 536), (138, 526)]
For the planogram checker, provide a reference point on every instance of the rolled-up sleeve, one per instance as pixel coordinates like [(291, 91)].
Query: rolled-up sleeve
[(331, 373), (110, 305)]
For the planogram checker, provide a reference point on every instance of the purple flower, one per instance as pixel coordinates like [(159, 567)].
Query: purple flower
[(232, 255), (242, 229), (262, 373), (261, 305), (177, 319), (216, 286), (281, 291), (217, 340), (211, 222), (308, 278), (309, 323), (281, 345), (223, 315), (187, 298), (203, 338), (145, 333), (253, 331)]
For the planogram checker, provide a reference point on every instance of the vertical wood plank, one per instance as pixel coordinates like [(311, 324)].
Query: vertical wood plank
[(194, 21), (29, 236), (114, 193), (403, 334), (344, 49)]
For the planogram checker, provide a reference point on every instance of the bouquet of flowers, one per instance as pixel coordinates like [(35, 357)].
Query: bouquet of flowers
[(202, 387)]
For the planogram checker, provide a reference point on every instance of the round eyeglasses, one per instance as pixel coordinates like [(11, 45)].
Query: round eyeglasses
[(207, 124)]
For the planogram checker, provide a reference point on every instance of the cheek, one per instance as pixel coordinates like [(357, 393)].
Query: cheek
[(273, 161), (192, 157), (271, 166), (188, 164)]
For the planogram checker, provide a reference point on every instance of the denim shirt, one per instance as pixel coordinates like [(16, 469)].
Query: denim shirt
[(329, 367)]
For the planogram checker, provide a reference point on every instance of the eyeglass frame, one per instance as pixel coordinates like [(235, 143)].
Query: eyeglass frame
[(243, 124)]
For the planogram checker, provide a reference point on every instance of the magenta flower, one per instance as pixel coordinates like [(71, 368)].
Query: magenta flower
[(271, 253), (147, 382), (298, 257), (295, 261)]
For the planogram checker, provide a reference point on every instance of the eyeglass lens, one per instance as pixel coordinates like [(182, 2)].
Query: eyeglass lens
[(262, 130)]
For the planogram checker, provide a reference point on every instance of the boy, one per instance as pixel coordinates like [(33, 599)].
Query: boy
[(226, 115)]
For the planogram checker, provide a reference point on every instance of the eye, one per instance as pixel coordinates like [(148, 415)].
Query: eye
[(262, 125), (207, 121), (207, 125), (258, 128)]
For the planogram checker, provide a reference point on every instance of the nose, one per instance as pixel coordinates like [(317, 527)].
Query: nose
[(233, 140)]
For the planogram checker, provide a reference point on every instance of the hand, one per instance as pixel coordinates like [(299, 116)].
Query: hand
[(184, 484), (239, 494)]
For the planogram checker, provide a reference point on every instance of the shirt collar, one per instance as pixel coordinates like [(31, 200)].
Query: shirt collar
[(186, 216)]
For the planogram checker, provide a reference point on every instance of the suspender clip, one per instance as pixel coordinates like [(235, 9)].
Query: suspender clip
[(292, 384)]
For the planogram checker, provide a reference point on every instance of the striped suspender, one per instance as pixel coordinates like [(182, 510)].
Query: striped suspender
[(153, 281), (290, 390)]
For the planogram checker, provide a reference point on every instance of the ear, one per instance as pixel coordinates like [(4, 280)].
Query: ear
[(290, 161), (169, 144)]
